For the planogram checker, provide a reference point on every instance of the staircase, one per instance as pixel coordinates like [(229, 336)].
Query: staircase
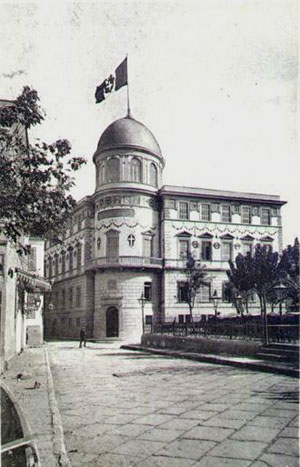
[(281, 353)]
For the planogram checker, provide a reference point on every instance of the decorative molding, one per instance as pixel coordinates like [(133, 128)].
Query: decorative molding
[(116, 212)]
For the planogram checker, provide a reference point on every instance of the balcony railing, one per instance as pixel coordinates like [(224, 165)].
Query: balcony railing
[(181, 264), (131, 261)]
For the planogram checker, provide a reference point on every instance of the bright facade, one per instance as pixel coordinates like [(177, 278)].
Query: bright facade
[(132, 236)]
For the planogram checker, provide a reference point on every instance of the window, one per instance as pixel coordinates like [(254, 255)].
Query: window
[(246, 215), (131, 240), (147, 246), (69, 322), (56, 265), (63, 298), (226, 292), (184, 248), (112, 245), (32, 259), (187, 318), (79, 255), (149, 319), (70, 259), (206, 250), (205, 212), (265, 217), (226, 216), (63, 262), (135, 170), (77, 321), (148, 291), (70, 297), (78, 296), (268, 247), (1, 265), (50, 267), (113, 170), (204, 293), (247, 248), (182, 292), (180, 319), (226, 251), (153, 175), (183, 210)]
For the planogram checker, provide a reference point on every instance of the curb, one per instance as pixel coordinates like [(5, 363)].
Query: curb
[(58, 436), (254, 365)]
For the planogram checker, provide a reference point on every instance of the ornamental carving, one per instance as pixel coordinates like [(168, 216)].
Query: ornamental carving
[(216, 245), (237, 246), (195, 244), (255, 211), (215, 208)]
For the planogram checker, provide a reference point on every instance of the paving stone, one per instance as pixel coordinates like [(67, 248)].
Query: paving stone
[(172, 410), (80, 459), (97, 429), (208, 433), (160, 461), (288, 446), (130, 430), (255, 433), (251, 407), (138, 447), (278, 413), (120, 419), (237, 414), (154, 419), (277, 460), (289, 432), (197, 414), (238, 449), (157, 434), (223, 422), (214, 407), (272, 422), (115, 460), (187, 448), (180, 424), (209, 461)]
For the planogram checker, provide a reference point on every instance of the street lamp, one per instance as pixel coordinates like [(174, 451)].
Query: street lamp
[(142, 300), (280, 290), (215, 300)]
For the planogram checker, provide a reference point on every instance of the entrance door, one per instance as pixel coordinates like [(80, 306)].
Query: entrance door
[(112, 322)]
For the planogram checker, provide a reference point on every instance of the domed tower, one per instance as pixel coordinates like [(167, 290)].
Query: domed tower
[(127, 257)]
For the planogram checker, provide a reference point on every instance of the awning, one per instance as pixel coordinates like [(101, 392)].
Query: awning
[(32, 281)]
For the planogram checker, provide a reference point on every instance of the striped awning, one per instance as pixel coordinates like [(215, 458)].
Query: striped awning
[(32, 281)]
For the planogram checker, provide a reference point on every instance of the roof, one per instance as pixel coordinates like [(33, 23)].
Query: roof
[(172, 190)]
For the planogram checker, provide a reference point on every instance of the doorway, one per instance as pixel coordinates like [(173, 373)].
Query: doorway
[(112, 322)]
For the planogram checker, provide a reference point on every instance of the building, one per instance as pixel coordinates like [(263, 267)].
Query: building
[(132, 236)]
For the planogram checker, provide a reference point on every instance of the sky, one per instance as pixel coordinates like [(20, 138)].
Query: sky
[(216, 82)]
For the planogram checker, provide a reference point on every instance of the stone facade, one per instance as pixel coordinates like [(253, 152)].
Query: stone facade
[(131, 237)]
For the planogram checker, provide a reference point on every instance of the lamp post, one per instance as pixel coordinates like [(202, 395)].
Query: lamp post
[(142, 301), (215, 300), (280, 290)]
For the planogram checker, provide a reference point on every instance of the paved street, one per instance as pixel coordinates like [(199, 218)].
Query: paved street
[(121, 408)]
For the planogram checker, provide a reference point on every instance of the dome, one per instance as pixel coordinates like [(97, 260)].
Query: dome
[(128, 133)]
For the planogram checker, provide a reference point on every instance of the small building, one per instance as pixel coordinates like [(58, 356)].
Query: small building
[(133, 235)]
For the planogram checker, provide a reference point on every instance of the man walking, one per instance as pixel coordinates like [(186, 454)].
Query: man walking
[(82, 337)]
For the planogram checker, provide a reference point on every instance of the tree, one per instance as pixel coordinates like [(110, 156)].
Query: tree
[(195, 274), (241, 280), (34, 178), (290, 264)]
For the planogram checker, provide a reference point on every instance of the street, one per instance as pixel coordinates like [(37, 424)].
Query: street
[(125, 408)]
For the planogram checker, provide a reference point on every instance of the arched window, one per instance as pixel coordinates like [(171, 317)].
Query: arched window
[(135, 170), (113, 170), (153, 175)]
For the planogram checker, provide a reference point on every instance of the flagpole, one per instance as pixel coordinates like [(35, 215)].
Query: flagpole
[(128, 104)]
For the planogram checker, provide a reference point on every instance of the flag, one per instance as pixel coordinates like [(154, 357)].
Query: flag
[(121, 75), (113, 82)]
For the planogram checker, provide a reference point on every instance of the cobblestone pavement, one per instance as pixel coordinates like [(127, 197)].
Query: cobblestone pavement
[(121, 408)]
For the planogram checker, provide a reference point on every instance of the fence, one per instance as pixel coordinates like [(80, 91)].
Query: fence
[(232, 330)]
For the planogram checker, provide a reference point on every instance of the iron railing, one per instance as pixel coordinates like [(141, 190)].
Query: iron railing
[(126, 261), (230, 330)]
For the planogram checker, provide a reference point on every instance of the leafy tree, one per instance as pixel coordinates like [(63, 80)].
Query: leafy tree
[(34, 178), (241, 280), (290, 264), (195, 274)]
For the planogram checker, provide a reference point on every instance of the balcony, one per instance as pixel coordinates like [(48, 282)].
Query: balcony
[(125, 261), (181, 264)]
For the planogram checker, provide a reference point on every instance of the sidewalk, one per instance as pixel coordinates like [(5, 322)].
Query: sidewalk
[(37, 406), (255, 364)]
